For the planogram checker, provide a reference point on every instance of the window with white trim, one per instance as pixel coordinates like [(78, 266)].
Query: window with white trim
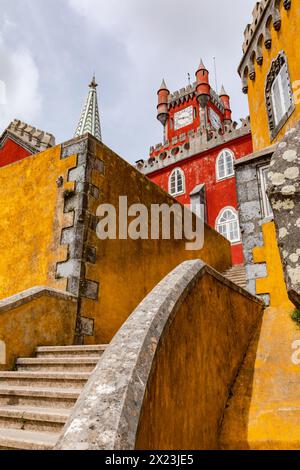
[(279, 94), (266, 206), (228, 225), (177, 182), (225, 165)]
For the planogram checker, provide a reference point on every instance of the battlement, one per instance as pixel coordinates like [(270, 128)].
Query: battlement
[(198, 142), (32, 136), (266, 15), (182, 95)]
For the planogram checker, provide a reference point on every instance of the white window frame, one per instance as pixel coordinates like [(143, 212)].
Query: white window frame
[(176, 172), (285, 102), (227, 174), (266, 206), (227, 231)]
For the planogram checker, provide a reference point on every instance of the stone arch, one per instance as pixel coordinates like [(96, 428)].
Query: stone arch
[(267, 33), (245, 79), (252, 73), (259, 50), (276, 15)]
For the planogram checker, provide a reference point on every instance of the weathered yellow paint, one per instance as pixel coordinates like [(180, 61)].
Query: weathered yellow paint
[(264, 411), (196, 362), (274, 283), (43, 321), (127, 270), (32, 217), (287, 40)]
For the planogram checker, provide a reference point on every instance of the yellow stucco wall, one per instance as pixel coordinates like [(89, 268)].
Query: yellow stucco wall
[(287, 40), (196, 362), (127, 270), (46, 320), (264, 412), (31, 220), (274, 283)]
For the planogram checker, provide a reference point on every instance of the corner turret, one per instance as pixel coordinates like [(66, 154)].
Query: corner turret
[(225, 98)]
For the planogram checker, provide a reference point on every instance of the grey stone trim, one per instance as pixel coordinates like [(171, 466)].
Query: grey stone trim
[(266, 152), (276, 66), (75, 236), (29, 137), (266, 14), (106, 417), (198, 142), (31, 294), (185, 94), (284, 194)]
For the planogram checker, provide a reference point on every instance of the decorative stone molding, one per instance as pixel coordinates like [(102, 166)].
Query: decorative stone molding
[(75, 236), (198, 142), (275, 69), (284, 195), (185, 94), (266, 14), (34, 293), (35, 138)]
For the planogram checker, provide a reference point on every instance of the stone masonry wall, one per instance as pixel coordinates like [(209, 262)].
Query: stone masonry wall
[(251, 218)]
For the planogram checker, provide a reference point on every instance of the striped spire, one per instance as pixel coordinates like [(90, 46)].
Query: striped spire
[(90, 119)]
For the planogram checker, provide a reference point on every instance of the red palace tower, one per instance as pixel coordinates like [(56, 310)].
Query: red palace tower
[(196, 161)]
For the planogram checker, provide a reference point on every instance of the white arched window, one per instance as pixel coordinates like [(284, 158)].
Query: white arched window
[(177, 182), (225, 165), (228, 225)]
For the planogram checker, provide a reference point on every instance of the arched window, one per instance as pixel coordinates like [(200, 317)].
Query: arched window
[(225, 165), (228, 225), (177, 182), (279, 94)]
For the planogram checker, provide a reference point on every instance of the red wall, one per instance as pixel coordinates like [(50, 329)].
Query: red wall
[(12, 152), (219, 194)]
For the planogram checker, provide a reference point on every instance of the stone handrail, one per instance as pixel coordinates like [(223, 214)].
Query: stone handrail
[(111, 412)]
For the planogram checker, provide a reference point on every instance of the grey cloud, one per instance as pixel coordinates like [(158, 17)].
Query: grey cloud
[(130, 45)]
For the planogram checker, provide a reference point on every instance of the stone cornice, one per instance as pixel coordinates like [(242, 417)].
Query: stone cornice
[(29, 137), (266, 15), (198, 143)]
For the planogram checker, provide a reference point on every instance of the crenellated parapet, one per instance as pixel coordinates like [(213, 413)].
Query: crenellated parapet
[(266, 15), (185, 94), (189, 145), (35, 138)]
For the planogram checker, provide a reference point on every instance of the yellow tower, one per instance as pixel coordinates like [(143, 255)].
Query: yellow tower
[(269, 71)]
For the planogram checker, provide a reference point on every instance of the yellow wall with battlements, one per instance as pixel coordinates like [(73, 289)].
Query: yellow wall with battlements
[(31, 220), (287, 40)]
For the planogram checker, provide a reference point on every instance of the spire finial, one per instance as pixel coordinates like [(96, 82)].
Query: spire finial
[(201, 66), (223, 91), (163, 85), (90, 120), (93, 83)]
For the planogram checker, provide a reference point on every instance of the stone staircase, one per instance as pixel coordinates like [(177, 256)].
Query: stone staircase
[(37, 399), (237, 274)]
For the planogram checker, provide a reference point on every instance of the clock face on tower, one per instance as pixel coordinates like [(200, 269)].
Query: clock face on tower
[(183, 118), (215, 119)]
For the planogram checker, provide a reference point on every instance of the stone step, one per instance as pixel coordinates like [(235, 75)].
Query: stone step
[(71, 364), (33, 418), (27, 440), (45, 397), (67, 351), (45, 379)]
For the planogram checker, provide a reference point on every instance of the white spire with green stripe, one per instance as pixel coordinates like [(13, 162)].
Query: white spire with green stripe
[(90, 118)]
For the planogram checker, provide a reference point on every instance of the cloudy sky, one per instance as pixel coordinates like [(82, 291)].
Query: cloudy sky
[(49, 50)]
